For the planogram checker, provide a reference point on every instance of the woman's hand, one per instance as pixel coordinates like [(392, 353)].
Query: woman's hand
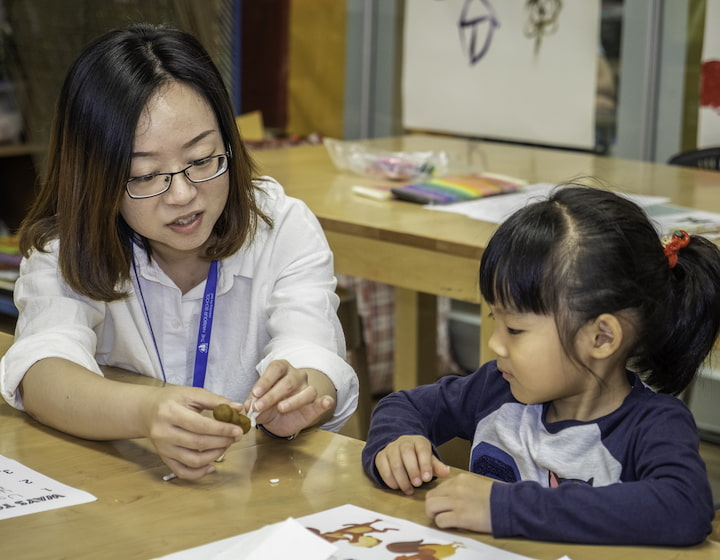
[(72, 399), (290, 399), (461, 502), (408, 462), (187, 441)]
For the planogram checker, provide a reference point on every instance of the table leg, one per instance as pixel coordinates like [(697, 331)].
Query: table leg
[(415, 339)]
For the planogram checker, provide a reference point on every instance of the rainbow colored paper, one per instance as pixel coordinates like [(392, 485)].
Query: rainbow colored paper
[(445, 190)]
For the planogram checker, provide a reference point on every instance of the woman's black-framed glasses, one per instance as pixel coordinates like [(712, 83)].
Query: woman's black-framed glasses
[(155, 184)]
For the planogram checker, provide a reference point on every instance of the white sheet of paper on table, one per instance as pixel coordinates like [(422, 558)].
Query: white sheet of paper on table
[(498, 208), (286, 539), (357, 533), (24, 491)]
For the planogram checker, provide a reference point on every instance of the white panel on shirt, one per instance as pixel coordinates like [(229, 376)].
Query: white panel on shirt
[(513, 442)]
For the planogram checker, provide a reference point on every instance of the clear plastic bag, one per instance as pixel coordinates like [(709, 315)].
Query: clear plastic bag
[(380, 164)]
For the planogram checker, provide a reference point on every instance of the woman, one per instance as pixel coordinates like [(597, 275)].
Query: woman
[(151, 247)]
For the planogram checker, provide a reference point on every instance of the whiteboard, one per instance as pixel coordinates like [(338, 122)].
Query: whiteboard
[(479, 68)]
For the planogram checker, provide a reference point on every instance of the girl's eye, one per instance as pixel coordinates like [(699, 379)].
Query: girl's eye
[(513, 331)]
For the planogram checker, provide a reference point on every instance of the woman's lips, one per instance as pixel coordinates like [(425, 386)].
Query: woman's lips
[(185, 220), (186, 224)]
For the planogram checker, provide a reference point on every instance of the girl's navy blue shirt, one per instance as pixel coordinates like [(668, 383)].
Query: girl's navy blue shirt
[(634, 476)]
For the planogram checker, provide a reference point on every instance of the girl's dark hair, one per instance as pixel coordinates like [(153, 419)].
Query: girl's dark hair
[(103, 96), (586, 251)]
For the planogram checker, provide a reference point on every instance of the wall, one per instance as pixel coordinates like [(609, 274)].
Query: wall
[(317, 67)]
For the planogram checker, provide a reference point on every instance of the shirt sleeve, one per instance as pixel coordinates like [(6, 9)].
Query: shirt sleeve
[(53, 322), (664, 497), (449, 408), (302, 307)]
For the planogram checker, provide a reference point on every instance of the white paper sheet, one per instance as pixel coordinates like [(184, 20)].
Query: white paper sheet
[(286, 539), (669, 218), (362, 534), (499, 69), (497, 209), (24, 491), (346, 532)]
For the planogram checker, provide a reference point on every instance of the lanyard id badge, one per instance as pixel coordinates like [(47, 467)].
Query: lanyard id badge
[(205, 328)]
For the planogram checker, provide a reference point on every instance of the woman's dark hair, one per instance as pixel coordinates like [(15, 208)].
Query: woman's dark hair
[(103, 96), (586, 251)]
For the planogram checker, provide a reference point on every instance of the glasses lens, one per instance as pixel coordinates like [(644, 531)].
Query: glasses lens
[(207, 169), (148, 185), (155, 184)]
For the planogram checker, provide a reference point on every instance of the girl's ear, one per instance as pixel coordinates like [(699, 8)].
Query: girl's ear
[(606, 336)]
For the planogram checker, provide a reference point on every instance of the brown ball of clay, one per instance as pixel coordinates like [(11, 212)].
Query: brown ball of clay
[(226, 413)]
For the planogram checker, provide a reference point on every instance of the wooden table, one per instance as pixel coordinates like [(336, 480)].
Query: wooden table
[(139, 516), (424, 253)]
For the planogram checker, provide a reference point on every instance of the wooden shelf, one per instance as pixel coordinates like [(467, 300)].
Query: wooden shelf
[(12, 150)]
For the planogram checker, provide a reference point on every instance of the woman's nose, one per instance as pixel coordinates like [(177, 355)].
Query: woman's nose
[(181, 190)]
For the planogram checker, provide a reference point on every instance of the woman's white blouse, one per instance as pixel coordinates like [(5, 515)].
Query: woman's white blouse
[(275, 300)]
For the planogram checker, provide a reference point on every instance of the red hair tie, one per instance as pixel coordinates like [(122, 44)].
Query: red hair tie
[(679, 240)]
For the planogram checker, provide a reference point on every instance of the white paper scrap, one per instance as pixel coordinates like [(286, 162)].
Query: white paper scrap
[(286, 539)]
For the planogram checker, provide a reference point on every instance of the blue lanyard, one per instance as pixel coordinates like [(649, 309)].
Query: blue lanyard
[(204, 330)]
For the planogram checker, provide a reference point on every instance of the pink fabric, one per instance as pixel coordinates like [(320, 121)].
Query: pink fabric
[(376, 305)]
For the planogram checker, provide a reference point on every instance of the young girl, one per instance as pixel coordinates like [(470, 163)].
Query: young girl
[(153, 247), (586, 302)]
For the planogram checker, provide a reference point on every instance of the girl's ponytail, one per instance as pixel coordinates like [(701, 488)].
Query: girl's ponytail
[(687, 326)]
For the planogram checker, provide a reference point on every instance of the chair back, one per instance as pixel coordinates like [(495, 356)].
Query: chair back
[(705, 158)]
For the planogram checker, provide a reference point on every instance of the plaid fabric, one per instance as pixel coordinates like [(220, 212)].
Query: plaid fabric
[(376, 308)]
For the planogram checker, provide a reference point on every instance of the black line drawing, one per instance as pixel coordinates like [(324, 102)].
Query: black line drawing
[(542, 19), (477, 26)]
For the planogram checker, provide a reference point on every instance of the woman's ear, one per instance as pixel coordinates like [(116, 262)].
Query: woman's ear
[(605, 336)]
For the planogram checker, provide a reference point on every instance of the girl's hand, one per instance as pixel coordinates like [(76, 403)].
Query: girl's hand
[(461, 502), (187, 441), (408, 463), (290, 399)]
